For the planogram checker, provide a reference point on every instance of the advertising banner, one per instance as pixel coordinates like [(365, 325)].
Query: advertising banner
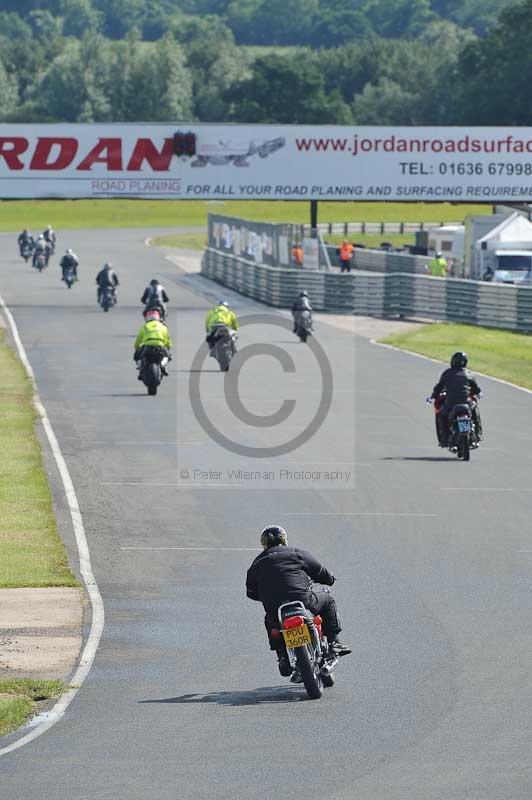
[(265, 162)]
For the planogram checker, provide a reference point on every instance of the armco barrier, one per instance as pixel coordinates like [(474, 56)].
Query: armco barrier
[(377, 294), (382, 261)]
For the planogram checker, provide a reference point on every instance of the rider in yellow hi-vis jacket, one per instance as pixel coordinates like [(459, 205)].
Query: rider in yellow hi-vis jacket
[(153, 333), (221, 314)]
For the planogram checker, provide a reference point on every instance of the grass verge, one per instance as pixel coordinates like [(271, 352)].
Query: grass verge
[(197, 241), (31, 552), (63, 214), (19, 698), (189, 241), (502, 354)]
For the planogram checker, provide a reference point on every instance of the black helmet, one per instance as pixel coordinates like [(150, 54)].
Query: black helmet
[(108, 266), (459, 360), (273, 535), (304, 293), (154, 282)]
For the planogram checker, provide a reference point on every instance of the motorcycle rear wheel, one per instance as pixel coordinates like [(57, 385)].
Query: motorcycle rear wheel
[(310, 673), (152, 378), (224, 359)]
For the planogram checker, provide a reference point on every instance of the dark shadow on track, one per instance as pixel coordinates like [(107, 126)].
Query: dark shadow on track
[(191, 371), (255, 697), (124, 394), (419, 458)]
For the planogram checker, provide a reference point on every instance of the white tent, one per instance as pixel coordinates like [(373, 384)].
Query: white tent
[(515, 232)]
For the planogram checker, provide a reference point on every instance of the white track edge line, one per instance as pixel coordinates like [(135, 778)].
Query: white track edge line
[(98, 617), (437, 361)]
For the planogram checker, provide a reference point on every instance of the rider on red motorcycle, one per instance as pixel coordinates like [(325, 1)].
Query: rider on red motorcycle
[(460, 387), (281, 574)]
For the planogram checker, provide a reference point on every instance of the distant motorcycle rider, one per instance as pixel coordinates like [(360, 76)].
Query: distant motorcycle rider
[(221, 314), (155, 296), (460, 387), (302, 303), (153, 333), (107, 277), (50, 237), (69, 261), (281, 574), (25, 240), (41, 248)]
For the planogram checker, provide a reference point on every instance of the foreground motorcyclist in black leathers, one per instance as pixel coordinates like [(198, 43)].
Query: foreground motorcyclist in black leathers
[(301, 304), (282, 574), (106, 277), (459, 386)]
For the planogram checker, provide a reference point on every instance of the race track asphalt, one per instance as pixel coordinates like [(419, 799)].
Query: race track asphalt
[(433, 559)]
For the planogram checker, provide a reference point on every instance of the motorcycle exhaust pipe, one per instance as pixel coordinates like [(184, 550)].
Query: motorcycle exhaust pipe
[(328, 667)]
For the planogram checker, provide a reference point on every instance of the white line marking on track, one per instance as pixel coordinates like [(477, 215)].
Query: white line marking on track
[(217, 549), (98, 616)]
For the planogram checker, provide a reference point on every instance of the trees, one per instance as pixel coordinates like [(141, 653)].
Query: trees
[(121, 16), (286, 89), (395, 61), (493, 74), (72, 88), (81, 85), (8, 93), (214, 70), (80, 18), (479, 15)]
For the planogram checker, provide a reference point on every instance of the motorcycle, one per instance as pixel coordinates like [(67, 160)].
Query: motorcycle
[(40, 262), (153, 361), (155, 306), (70, 276), (223, 345), (107, 298), (303, 325), (462, 433), (26, 251), (307, 648)]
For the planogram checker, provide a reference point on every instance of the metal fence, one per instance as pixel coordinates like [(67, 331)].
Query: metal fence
[(264, 242), (271, 244), (377, 294), (348, 228)]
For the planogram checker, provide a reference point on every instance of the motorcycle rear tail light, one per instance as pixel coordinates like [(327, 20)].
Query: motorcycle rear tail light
[(293, 622)]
